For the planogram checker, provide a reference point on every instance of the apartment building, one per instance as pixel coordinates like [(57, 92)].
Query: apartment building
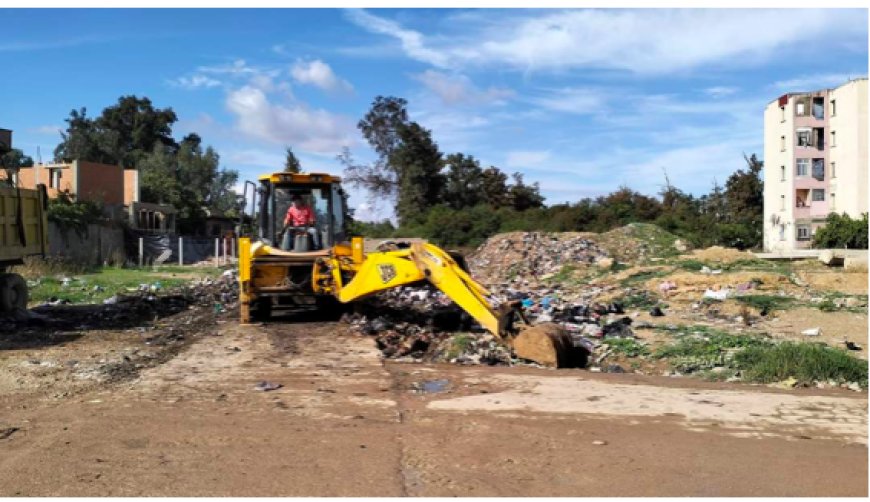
[(815, 162)]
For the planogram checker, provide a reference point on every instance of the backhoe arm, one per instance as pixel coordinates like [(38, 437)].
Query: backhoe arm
[(391, 269)]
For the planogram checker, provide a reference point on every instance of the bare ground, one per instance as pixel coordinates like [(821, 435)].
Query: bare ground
[(345, 423)]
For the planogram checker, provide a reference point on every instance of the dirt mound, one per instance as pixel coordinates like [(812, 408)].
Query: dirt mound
[(719, 254), (640, 243), (531, 255)]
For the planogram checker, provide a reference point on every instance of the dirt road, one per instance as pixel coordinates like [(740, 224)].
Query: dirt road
[(345, 423)]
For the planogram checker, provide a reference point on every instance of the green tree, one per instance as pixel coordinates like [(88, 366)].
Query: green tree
[(381, 127), (744, 200), (494, 188), (291, 163), (464, 181), (418, 163), (522, 196), (841, 231), (123, 134)]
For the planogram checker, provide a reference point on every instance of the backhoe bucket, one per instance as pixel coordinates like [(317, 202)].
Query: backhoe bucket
[(550, 345)]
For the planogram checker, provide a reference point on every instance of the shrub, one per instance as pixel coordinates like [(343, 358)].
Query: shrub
[(841, 231)]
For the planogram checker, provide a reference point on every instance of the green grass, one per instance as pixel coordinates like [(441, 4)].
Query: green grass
[(806, 362), (458, 345), (769, 302), (628, 347), (94, 287), (639, 300)]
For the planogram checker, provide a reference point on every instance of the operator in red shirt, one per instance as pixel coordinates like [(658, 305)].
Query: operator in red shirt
[(299, 215)]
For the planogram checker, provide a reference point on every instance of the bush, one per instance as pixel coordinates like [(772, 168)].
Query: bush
[(75, 215), (841, 231), (805, 362)]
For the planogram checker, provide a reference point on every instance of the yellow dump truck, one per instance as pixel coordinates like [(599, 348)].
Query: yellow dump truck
[(23, 232)]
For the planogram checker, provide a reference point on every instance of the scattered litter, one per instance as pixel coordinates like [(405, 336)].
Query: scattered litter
[(721, 294), (656, 312), (852, 345), (266, 386), (812, 332), (599, 442), (431, 386)]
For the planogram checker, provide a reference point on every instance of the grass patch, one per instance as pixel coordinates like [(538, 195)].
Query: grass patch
[(639, 300), (700, 348), (806, 362), (628, 347), (766, 302), (459, 345), (96, 286), (565, 274)]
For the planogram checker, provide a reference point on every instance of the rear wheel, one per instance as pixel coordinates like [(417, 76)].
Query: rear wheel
[(13, 292), (330, 308), (262, 310)]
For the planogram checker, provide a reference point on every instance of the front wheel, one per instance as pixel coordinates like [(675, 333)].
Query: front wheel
[(13, 292)]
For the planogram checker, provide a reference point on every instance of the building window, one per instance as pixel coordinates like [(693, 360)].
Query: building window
[(819, 108), (782, 202), (833, 139), (804, 137), (782, 232), (803, 232), (54, 176), (833, 108), (833, 201), (819, 169), (782, 173), (800, 108), (782, 111), (818, 194), (782, 143), (803, 167), (833, 169)]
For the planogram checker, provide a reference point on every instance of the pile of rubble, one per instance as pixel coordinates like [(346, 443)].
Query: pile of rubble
[(524, 256)]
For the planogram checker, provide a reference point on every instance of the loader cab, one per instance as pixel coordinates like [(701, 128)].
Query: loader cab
[(319, 194)]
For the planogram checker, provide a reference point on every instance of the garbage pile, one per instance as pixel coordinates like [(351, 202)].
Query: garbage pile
[(421, 323), (532, 256)]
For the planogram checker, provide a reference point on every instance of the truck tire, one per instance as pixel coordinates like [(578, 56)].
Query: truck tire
[(13, 292)]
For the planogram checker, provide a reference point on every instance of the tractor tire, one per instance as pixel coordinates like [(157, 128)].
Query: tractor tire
[(262, 310), (13, 293), (329, 308)]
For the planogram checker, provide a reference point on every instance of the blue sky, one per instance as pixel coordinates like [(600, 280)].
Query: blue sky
[(581, 101)]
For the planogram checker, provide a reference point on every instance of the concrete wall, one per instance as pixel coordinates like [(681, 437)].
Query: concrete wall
[(850, 153), (97, 246)]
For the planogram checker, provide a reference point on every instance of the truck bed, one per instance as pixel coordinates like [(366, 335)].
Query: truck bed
[(15, 244)]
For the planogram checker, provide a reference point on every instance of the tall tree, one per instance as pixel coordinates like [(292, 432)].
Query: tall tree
[(523, 196), (464, 181), (744, 198), (380, 126), (494, 188), (291, 163), (418, 163)]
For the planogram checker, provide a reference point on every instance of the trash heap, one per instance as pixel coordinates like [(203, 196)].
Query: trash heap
[(532, 256)]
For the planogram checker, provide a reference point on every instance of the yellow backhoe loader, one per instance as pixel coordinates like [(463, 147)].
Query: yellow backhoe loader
[(303, 256)]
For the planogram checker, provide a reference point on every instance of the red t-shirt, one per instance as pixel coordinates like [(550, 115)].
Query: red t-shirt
[(299, 217)]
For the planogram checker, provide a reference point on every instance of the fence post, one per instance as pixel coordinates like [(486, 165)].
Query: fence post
[(180, 251), (217, 253), (224, 240), (141, 251)]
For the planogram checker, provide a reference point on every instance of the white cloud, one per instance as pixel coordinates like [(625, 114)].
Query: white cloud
[(581, 101), (642, 41), (454, 89), (195, 82), (237, 67), (47, 129), (526, 158), (319, 74), (720, 91), (813, 82), (411, 41), (293, 124)]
